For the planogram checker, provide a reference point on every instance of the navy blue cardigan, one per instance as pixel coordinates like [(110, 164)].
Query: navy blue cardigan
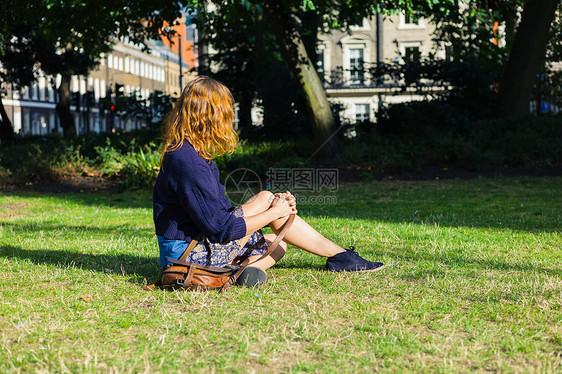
[(189, 199)]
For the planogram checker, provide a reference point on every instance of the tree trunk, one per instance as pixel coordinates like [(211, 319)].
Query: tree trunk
[(6, 128), (526, 57), (294, 53), (63, 107)]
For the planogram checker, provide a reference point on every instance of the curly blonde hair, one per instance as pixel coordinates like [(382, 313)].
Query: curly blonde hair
[(203, 116)]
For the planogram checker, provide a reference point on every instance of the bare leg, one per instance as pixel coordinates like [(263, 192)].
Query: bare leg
[(270, 260), (257, 203), (304, 236), (301, 234)]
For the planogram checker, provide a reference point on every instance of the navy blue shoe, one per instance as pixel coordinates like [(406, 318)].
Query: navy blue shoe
[(351, 261)]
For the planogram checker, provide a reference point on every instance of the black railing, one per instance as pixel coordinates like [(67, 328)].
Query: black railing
[(415, 74)]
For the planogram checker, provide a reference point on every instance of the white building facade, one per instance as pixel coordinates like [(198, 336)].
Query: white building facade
[(344, 59)]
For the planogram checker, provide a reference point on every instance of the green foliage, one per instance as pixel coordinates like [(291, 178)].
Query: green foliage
[(416, 134), (249, 59), (42, 159), (250, 63), (151, 110), (480, 34), (109, 158), (260, 156), (407, 137), (51, 158), (468, 31), (526, 141), (456, 77), (69, 36), (141, 167)]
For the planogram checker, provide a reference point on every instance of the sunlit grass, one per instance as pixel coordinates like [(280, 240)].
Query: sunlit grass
[(473, 283)]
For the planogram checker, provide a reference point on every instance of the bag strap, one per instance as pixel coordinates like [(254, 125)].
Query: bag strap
[(213, 269), (190, 247), (182, 258), (270, 249), (279, 237)]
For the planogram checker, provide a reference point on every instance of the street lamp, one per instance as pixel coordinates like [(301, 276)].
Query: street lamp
[(167, 30)]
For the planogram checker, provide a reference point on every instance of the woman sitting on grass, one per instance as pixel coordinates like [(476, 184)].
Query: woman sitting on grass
[(189, 199)]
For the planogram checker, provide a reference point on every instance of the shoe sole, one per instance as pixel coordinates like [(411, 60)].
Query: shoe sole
[(370, 270), (359, 271), (252, 277)]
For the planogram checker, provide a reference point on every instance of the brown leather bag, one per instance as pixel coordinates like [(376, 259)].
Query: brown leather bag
[(189, 276)]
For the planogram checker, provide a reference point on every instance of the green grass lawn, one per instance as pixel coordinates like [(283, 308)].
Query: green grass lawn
[(474, 283)]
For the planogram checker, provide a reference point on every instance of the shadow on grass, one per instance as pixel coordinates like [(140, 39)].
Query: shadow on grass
[(125, 200), (139, 269), (133, 267), (521, 204), (450, 263), (117, 230)]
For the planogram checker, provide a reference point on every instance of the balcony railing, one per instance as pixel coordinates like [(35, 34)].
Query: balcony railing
[(385, 76)]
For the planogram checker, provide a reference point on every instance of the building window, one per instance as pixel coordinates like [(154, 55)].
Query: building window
[(51, 91), (42, 89), (411, 19), (320, 63), (17, 123), (26, 125), (323, 63), (362, 112), (34, 90), (412, 54), (96, 89), (75, 84), (356, 54), (356, 65), (363, 25), (410, 51), (52, 123)]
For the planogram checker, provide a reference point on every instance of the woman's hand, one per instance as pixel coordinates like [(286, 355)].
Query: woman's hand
[(289, 196), (283, 204)]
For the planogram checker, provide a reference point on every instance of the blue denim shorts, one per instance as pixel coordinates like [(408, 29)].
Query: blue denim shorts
[(214, 254)]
